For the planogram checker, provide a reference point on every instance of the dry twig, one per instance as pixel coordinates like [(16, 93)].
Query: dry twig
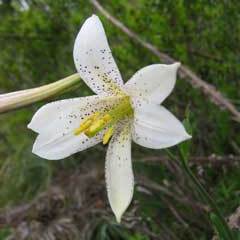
[(149, 184), (228, 160)]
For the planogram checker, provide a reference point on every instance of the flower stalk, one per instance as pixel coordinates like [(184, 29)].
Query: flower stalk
[(18, 99)]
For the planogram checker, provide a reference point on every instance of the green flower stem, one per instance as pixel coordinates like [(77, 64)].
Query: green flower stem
[(15, 100), (207, 197)]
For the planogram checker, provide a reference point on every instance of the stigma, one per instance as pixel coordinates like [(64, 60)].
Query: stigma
[(105, 121)]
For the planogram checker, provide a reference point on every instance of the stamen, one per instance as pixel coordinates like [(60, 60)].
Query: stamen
[(98, 125), (108, 135), (100, 120), (86, 123)]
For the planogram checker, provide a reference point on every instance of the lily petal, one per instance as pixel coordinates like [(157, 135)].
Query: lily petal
[(94, 60), (119, 175), (155, 127), (53, 112), (61, 146), (55, 122), (152, 83)]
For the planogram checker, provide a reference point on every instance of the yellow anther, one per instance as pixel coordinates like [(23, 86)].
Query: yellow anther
[(98, 125), (83, 127), (86, 123), (108, 134), (100, 121), (95, 116), (107, 118)]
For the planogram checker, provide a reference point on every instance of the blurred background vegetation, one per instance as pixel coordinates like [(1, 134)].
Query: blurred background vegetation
[(67, 198)]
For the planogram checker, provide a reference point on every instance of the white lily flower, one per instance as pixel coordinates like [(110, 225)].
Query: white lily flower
[(120, 112)]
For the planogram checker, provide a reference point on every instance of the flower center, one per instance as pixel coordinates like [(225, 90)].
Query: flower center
[(105, 120)]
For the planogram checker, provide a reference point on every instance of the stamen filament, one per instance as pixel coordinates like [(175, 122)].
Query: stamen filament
[(108, 135)]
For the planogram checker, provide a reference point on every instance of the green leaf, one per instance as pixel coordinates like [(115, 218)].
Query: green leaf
[(5, 232), (219, 228)]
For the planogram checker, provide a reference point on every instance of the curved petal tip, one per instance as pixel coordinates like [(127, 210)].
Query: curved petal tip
[(187, 136), (94, 16), (176, 65), (118, 216), (118, 220), (31, 126)]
